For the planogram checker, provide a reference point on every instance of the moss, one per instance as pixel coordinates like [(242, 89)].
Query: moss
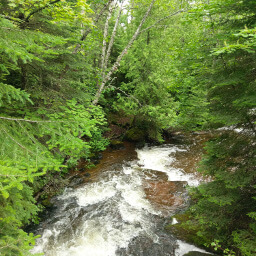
[(186, 229), (116, 144), (46, 203), (155, 134)]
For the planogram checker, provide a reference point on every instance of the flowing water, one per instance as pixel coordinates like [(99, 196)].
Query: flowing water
[(123, 207)]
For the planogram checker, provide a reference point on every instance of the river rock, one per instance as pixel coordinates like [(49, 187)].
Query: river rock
[(145, 246), (169, 195), (76, 181), (116, 144), (196, 253)]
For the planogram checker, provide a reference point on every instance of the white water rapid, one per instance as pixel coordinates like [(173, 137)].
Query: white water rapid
[(113, 215)]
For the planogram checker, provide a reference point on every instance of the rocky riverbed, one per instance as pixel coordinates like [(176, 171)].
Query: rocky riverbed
[(121, 206)]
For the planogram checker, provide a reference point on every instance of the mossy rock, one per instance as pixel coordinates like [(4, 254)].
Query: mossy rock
[(116, 144), (184, 232), (47, 203), (95, 158), (135, 134)]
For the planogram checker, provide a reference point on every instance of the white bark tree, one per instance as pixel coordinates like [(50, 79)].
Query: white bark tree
[(111, 42), (120, 57), (105, 56)]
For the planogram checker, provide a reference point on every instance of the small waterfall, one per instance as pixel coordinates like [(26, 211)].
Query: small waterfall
[(120, 213)]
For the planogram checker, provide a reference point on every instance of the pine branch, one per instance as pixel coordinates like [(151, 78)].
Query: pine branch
[(25, 130), (40, 9), (11, 18), (128, 95), (20, 145), (31, 121)]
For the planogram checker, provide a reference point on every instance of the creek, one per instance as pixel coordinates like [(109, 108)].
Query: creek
[(124, 204)]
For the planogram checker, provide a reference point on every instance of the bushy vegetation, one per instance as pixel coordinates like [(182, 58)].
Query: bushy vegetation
[(224, 210), (47, 120)]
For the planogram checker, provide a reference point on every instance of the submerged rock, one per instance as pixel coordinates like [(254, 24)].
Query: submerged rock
[(116, 144), (47, 203), (87, 174), (150, 174), (167, 195), (81, 169)]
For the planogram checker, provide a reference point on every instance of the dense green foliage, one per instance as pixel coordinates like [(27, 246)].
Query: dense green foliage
[(47, 120), (224, 209), (191, 67), (146, 85)]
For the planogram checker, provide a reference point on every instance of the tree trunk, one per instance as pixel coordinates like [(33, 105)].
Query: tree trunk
[(104, 43), (110, 45)]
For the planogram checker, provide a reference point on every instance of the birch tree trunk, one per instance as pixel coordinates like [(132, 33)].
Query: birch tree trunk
[(119, 58), (111, 42), (104, 43), (87, 31)]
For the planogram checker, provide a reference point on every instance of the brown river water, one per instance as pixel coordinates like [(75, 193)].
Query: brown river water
[(123, 204)]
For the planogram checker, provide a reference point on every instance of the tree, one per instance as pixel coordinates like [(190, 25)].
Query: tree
[(146, 84), (47, 122), (224, 208), (119, 58)]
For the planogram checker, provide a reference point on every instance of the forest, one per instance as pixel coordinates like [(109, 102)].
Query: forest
[(76, 75)]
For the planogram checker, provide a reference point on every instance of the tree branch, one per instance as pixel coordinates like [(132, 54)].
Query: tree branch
[(87, 31), (40, 9), (164, 18), (96, 19), (11, 18), (30, 121)]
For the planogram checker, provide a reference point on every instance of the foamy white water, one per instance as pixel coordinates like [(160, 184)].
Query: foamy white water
[(160, 158), (103, 218), (184, 248)]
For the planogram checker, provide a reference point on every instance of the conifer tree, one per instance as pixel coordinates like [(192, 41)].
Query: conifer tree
[(224, 208)]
